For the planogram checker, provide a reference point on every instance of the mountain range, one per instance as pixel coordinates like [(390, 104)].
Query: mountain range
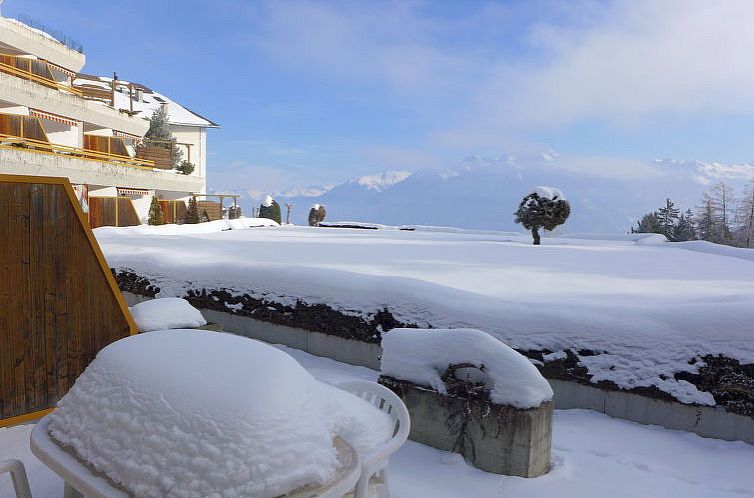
[(482, 192)]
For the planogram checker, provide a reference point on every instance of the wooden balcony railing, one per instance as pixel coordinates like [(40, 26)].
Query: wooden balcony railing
[(40, 147), (33, 70)]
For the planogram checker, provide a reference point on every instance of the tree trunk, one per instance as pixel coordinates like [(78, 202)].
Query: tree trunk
[(535, 234)]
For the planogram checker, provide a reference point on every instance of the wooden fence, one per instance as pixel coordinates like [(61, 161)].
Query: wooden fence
[(112, 212), (213, 208), (173, 211), (162, 158), (60, 303)]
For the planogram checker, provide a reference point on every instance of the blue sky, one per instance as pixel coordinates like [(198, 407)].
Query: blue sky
[(318, 92)]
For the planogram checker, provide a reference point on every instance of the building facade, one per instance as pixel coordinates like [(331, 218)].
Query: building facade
[(57, 121)]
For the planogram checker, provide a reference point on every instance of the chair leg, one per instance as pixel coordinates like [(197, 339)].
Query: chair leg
[(18, 476), (362, 487), (71, 492)]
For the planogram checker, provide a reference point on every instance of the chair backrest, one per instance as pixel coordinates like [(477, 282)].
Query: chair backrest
[(386, 400)]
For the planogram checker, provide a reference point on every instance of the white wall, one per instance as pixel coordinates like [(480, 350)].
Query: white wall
[(197, 137), (61, 134)]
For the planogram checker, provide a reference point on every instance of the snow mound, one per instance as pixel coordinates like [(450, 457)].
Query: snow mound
[(190, 228), (192, 413), (551, 193), (166, 313), (422, 356)]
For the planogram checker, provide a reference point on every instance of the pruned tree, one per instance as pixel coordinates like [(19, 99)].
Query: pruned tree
[(545, 207), (155, 212), (288, 208), (270, 209), (317, 215)]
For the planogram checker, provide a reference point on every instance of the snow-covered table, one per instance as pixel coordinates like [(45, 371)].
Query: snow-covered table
[(81, 480)]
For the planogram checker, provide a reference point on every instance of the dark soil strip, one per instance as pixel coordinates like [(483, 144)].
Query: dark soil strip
[(731, 383)]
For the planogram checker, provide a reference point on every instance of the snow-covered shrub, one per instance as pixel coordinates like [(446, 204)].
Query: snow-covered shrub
[(185, 167), (166, 313), (425, 356), (270, 209), (544, 207)]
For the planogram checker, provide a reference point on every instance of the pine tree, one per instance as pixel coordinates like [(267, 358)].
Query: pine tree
[(192, 213), (204, 217), (667, 216), (536, 211), (185, 167), (649, 223), (155, 213), (159, 130), (684, 230), (706, 223)]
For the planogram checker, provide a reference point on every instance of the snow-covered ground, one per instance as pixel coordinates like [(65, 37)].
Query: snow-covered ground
[(593, 456), (647, 307)]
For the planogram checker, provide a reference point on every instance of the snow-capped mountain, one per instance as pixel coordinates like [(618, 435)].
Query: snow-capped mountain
[(482, 193)]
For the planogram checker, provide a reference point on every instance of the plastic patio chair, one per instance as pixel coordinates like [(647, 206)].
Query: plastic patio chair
[(18, 476), (374, 464), (81, 482)]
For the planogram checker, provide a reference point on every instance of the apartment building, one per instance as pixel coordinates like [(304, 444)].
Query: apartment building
[(57, 121)]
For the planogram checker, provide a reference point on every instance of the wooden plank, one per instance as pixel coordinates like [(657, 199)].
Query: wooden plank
[(61, 303)]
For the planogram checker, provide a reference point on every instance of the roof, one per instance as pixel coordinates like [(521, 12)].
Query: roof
[(151, 101)]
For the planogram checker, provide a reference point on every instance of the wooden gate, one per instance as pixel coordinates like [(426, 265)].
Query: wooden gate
[(60, 303), (112, 212)]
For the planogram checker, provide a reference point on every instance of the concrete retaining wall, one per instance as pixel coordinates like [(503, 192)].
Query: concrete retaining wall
[(703, 420)]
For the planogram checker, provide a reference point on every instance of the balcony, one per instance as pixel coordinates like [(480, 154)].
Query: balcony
[(18, 38), (28, 92), (34, 70)]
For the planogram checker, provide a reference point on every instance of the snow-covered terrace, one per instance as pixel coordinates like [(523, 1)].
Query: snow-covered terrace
[(644, 309), (593, 456)]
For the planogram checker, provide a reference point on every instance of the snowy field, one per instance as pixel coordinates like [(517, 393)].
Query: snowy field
[(648, 308), (593, 456)]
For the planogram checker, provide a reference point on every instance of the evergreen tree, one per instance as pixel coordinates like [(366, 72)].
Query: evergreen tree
[(185, 167), (649, 223), (270, 209), (204, 217), (155, 212), (667, 216), (159, 130), (192, 213), (542, 211), (684, 230), (706, 223)]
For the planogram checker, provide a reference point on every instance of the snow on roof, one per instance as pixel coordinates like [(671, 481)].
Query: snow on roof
[(197, 413), (38, 31), (166, 313), (549, 193), (422, 356), (151, 101)]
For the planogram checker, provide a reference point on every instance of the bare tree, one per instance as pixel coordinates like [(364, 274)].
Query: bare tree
[(288, 207)]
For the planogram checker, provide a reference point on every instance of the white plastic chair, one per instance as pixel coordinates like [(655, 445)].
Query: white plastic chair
[(18, 476), (374, 465)]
